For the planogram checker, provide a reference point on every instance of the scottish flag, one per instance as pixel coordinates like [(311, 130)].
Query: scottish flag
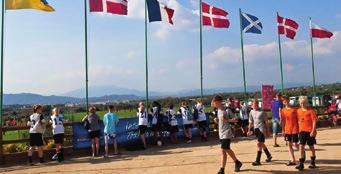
[(251, 24)]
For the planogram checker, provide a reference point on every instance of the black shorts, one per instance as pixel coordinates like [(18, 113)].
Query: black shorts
[(58, 138), (142, 129), (36, 139), (202, 125), (225, 144), (260, 136), (305, 138), (94, 134), (291, 137), (156, 127), (244, 123), (188, 126), (173, 129)]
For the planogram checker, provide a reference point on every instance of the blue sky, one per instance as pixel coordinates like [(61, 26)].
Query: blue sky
[(44, 52)]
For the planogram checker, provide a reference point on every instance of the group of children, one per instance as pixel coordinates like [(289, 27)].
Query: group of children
[(168, 122), (299, 126), (37, 124)]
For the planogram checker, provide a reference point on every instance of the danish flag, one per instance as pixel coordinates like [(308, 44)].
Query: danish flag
[(119, 7), (287, 27), (215, 17)]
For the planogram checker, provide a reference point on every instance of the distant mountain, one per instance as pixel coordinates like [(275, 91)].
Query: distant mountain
[(98, 91), (27, 98), (99, 94)]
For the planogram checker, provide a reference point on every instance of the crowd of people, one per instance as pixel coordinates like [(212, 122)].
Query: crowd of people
[(297, 125)]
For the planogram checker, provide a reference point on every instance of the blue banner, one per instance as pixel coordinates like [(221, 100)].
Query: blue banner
[(127, 131)]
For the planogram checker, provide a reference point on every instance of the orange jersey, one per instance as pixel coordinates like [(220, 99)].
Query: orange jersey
[(306, 118), (289, 116)]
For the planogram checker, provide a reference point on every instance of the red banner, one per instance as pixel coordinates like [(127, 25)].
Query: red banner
[(267, 96)]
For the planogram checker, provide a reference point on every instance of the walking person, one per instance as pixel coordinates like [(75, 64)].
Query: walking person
[(259, 121), (37, 125), (276, 106), (290, 128), (94, 133), (58, 133), (225, 134), (307, 121)]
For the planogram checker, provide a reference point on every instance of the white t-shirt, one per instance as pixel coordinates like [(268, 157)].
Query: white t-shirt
[(57, 124), (143, 117), (201, 112), (185, 116), (155, 115), (172, 117), (37, 123)]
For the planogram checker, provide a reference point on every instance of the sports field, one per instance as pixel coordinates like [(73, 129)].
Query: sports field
[(197, 158)]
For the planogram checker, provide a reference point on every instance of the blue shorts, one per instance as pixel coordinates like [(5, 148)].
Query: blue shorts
[(109, 138), (275, 126)]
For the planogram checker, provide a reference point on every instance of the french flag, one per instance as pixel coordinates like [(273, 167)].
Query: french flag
[(319, 32), (159, 12)]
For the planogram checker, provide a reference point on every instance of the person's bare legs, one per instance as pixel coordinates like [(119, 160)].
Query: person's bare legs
[(97, 146), (143, 138), (115, 147), (291, 151), (93, 147), (223, 159), (30, 154)]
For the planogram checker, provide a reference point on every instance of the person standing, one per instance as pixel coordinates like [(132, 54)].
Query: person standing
[(37, 125), (202, 120), (187, 120), (276, 106), (244, 118), (307, 121), (110, 121), (58, 133), (225, 134), (259, 121), (173, 124), (142, 115), (290, 128), (94, 130)]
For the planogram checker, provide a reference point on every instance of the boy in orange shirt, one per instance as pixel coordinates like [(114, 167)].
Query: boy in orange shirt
[(307, 120), (290, 127)]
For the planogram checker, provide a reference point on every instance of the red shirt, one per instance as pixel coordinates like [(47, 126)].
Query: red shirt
[(306, 119)]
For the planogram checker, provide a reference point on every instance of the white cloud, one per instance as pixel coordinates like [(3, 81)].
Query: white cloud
[(338, 16), (131, 55), (292, 49)]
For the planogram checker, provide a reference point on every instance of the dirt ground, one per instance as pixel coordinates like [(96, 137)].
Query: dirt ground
[(197, 158)]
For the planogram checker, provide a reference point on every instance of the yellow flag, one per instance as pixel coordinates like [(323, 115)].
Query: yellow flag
[(28, 4)]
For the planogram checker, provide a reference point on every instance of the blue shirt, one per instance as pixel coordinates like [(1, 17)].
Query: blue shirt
[(110, 121), (276, 105)]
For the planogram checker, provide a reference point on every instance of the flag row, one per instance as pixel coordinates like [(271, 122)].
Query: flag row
[(158, 11)]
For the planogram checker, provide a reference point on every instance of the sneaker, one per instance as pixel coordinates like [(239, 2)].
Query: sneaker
[(299, 167), (276, 145), (256, 163), (312, 166), (268, 159), (290, 163), (221, 172), (189, 142), (238, 165)]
